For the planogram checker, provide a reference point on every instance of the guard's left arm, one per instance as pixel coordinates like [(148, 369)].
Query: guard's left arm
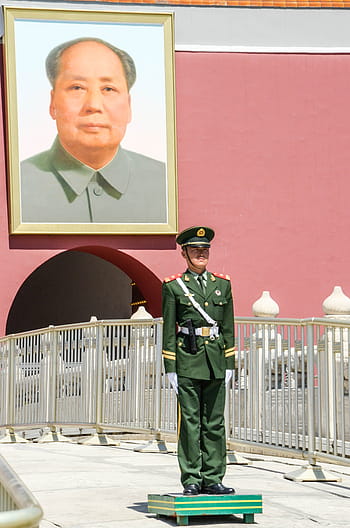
[(228, 329)]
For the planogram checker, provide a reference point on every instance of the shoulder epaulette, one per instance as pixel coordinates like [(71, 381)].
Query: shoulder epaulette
[(222, 276), (172, 277)]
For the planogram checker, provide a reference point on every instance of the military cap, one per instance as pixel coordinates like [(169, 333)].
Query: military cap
[(196, 237)]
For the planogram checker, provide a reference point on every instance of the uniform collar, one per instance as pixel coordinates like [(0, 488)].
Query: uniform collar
[(195, 275), (77, 175)]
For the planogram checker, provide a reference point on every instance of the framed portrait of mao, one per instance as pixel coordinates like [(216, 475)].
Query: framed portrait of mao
[(90, 103)]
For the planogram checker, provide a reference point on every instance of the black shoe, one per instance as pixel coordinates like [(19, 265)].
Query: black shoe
[(217, 489), (191, 489)]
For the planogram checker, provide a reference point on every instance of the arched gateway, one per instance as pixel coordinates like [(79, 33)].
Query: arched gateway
[(74, 285)]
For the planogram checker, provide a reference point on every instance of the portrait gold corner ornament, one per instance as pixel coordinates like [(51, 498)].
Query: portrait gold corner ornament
[(91, 138)]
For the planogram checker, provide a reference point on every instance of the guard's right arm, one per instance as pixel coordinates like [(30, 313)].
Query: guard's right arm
[(169, 327)]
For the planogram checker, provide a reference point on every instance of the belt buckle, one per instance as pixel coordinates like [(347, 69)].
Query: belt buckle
[(205, 331)]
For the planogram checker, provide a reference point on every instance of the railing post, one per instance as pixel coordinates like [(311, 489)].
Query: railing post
[(336, 379), (158, 382), (310, 393), (47, 385), (157, 445), (232, 457), (11, 436), (311, 472), (50, 349), (11, 387), (99, 381), (99, 438)]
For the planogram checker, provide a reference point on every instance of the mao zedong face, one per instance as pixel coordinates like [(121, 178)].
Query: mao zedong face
[(90, 102)]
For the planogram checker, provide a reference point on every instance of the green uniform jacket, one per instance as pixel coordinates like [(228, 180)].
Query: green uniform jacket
[(213, 356)]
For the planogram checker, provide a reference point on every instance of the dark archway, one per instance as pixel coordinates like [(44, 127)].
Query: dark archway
[(81, 282), (70, 288), (147, 285)]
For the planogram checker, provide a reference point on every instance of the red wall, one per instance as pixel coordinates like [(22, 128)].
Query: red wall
[(268, 135), (263, 158)]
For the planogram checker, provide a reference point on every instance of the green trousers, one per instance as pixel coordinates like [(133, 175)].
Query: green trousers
[(202, 441)]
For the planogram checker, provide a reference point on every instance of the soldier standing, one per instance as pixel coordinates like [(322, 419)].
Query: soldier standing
[(198, 353)]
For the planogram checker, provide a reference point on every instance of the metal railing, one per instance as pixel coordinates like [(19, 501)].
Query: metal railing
[(292, 386), (18, 507), (290, 390), (100, 374)]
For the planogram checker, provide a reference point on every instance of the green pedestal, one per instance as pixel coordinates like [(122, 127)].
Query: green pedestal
[(182, 506)]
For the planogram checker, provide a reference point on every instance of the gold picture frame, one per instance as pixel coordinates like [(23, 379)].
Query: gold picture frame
[(57, 191)]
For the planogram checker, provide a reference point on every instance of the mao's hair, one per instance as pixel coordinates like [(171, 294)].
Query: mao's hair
[(54, 57)]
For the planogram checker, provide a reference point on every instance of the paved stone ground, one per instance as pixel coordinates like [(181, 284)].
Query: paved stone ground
[(81, 486)]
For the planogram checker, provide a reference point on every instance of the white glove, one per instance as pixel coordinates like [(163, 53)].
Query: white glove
[(228, 376), (172, 377)]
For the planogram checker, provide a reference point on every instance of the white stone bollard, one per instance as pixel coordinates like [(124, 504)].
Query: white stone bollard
[(265, 306)]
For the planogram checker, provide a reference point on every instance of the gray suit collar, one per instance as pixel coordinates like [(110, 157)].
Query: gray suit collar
[(78, 176)]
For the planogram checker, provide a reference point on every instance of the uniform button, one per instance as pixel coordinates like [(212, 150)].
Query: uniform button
[(206, 303), (207, 342), (97, 190)]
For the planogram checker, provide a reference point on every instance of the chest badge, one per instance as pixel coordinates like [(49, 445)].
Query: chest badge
[(217, 292)]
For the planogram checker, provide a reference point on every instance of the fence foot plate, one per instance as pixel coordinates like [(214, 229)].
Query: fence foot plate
[(312, 473), (182, 507), (232, 457), (51, 436), (13, 438), (153, 446), (99, 439)]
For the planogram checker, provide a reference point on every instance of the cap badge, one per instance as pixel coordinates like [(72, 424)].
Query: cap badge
[(218, 292), (201, 232)]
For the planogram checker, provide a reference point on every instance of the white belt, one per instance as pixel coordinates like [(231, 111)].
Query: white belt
[(204, 331)]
